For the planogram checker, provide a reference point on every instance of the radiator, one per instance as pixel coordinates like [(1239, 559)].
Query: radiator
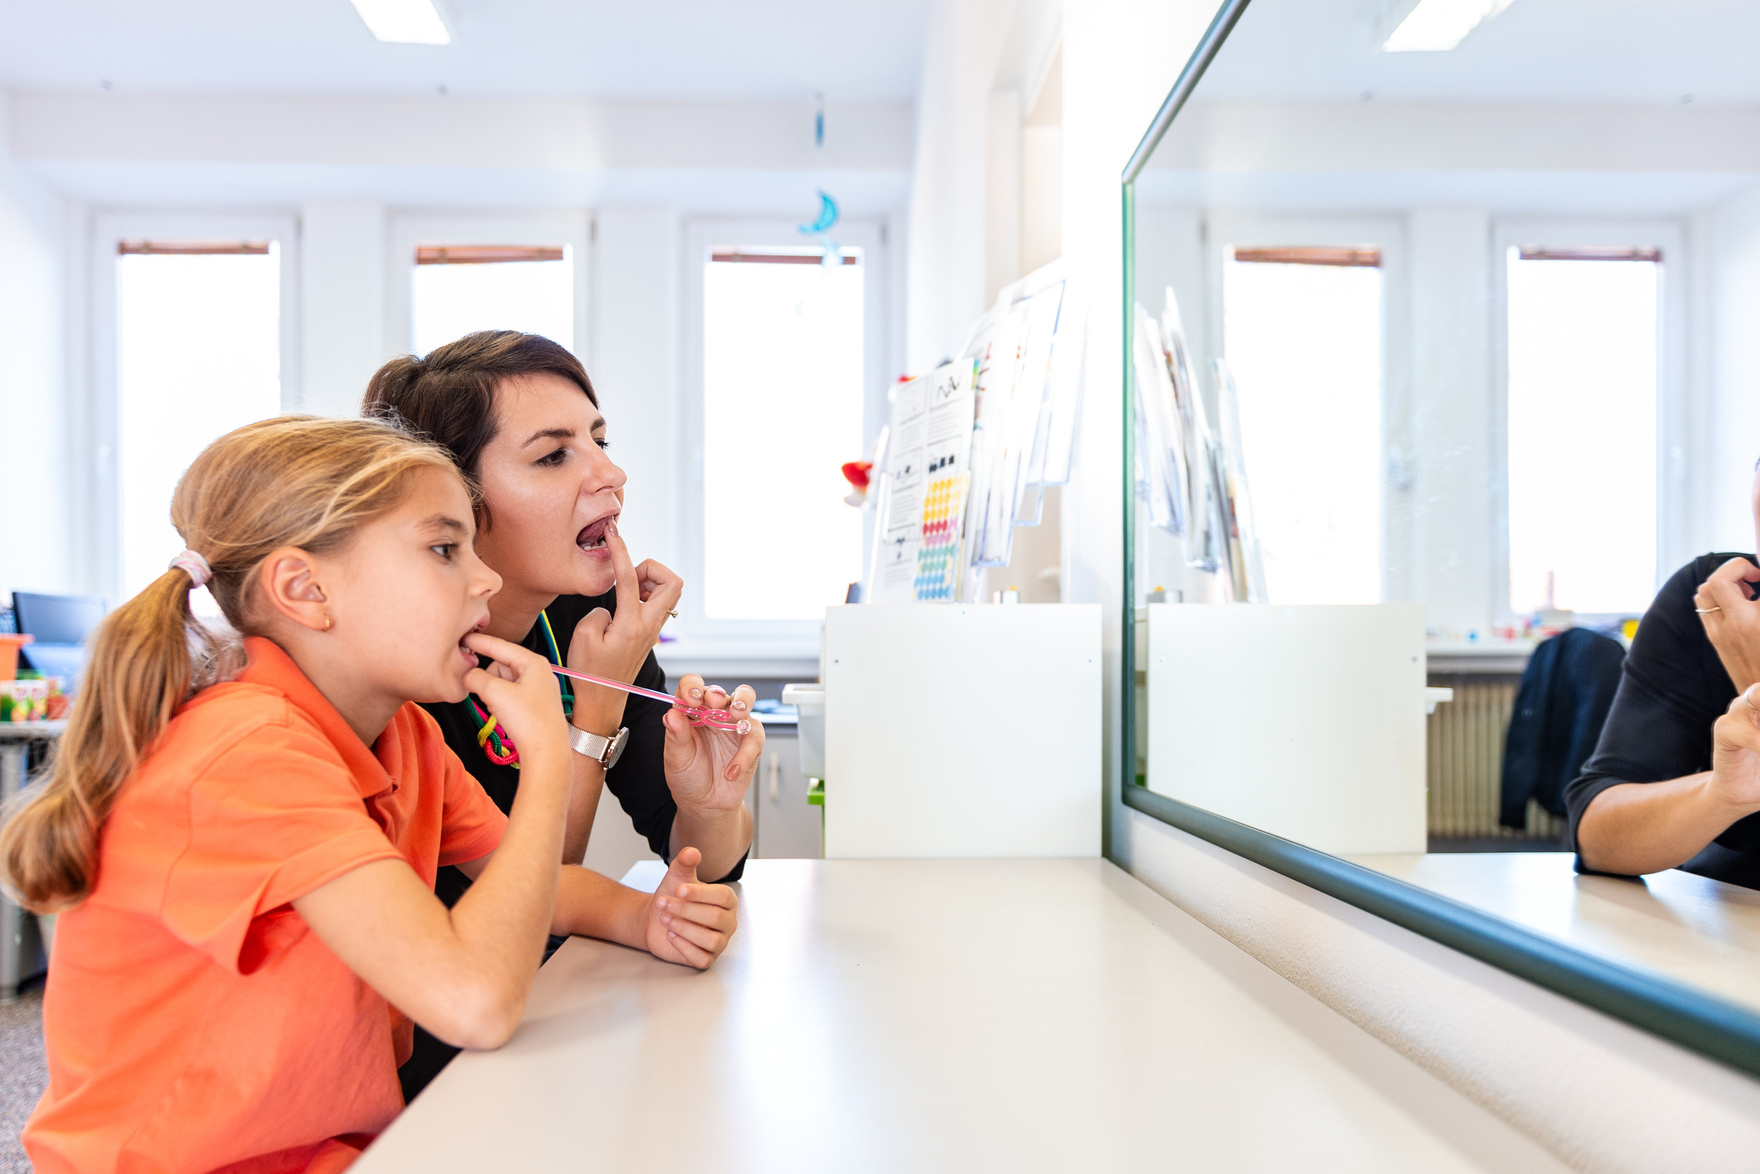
[(1465, 749)]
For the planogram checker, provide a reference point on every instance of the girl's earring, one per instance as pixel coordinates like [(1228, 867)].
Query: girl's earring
[(327, 621)]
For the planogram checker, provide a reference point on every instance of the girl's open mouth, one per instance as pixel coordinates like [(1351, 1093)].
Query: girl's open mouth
[(469, 657)]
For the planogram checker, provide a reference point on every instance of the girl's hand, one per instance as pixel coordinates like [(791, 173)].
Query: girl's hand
[(689, 922), (615, 646), (1735, 752), (520, 690), (710, 769)]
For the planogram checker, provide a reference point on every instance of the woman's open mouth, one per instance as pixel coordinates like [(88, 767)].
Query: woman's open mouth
[(591, 539)]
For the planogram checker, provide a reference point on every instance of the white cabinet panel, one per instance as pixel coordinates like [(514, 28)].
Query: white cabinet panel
[(788, 826)]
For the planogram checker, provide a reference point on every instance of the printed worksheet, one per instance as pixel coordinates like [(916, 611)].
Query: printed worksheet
[(922, 522)]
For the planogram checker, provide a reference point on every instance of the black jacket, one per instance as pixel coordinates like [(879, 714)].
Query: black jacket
[(1565, 695)]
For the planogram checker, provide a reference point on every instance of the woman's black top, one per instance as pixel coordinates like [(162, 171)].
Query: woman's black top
[(1671, 692), (639, 778)]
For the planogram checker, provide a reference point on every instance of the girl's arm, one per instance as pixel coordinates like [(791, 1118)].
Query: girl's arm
[(464, 973)]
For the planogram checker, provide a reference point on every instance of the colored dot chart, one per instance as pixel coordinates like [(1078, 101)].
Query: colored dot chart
[(938, 552)]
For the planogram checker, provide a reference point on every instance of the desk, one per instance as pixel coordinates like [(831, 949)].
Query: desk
[(15, 941), (919, 1015), (1699, 931), (1494, 657)]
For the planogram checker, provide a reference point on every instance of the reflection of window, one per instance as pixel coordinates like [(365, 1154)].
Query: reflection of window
[(458, 289), (1582, 428), (1302, 331), (198, 353), (782, 409)]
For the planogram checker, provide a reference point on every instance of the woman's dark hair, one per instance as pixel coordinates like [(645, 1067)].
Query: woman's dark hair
[(448, 395)]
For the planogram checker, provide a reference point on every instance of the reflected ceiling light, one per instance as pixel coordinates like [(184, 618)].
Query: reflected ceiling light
[(408, 22), (1435, 26)]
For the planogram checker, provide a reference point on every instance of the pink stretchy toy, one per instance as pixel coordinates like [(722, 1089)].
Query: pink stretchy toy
[(699, 715)]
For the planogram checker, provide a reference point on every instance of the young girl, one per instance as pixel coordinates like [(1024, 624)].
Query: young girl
[(246, 869)]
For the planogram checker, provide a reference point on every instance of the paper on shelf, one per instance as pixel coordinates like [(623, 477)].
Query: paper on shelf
[(920, 531)]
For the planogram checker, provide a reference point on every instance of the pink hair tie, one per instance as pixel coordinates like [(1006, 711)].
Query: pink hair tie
[(193, 565)]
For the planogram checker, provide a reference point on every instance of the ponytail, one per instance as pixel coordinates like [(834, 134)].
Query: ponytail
[(140, 673), (293, 481)]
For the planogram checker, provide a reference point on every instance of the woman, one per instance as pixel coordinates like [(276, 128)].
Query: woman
[(520, 416), (1675, 779)]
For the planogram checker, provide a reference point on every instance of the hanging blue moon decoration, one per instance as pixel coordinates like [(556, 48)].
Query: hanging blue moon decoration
[(828, 215)]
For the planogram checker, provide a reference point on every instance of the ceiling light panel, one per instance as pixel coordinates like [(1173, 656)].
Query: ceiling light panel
[(1436, 26), (406, 22)]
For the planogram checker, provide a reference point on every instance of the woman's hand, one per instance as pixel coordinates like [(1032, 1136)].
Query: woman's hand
[(521, 691), (615, 646), (709, 769), (1735, 753), (689, 922), (1732, 619)]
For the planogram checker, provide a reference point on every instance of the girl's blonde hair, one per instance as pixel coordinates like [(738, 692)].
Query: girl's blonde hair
[(295, 481)]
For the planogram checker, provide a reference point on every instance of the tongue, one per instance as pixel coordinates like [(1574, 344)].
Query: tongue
[(592, 535)]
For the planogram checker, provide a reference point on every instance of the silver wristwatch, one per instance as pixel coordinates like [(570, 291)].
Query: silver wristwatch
[(603, 751)]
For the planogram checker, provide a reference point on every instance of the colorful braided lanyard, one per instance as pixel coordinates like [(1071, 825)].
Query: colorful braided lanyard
[(492, 736)]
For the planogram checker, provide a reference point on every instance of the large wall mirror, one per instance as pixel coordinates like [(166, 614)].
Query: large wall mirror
[(1442, 342)]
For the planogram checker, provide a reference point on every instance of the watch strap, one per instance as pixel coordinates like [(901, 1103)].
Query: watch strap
[(597, 747)]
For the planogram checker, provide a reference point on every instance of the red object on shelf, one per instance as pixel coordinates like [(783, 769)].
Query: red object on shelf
[(856, 473), (9, 646)]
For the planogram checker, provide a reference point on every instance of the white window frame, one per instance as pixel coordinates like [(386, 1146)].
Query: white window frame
[(407, 229), (1226, 228), (1675, 415), (103, 440), (700, 635)]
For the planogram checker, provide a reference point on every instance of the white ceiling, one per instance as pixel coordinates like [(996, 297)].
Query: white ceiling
[(1535, 51), (851, 49)]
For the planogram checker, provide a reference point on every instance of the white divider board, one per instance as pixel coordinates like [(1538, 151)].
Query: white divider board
[(1306, 722), (962, 731)]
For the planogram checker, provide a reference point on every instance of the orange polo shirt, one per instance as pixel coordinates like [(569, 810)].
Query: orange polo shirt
[(192, 1021)]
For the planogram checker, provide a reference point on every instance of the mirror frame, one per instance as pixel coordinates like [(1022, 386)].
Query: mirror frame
[(1665, 1007)]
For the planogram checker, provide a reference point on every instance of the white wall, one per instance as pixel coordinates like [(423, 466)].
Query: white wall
[(634, 361), (949, 182), (1120, 57), (342, 303), (463, 133), (1735, 370), (36, 554), (1451, 518)]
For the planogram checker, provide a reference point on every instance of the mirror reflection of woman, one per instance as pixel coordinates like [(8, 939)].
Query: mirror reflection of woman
[(1675, 778), (521, 418)]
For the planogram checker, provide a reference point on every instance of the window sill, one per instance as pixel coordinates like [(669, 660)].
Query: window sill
[(778, 659)]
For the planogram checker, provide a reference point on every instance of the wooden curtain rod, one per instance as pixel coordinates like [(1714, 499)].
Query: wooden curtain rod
[(735, 256), (147, 248), (1648, 253), (1357, 257), (485, 254)]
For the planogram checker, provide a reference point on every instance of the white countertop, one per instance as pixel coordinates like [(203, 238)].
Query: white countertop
[(918, 1015), (1701, 932), (31, 730)]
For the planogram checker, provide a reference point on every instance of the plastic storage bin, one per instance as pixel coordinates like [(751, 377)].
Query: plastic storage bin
[(10, 643), (809, 702)]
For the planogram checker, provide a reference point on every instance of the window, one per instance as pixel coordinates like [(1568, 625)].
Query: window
[(198, 353), (461, 272), (783, 381), (458, 289), (1302, 333), (1582, 427)]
